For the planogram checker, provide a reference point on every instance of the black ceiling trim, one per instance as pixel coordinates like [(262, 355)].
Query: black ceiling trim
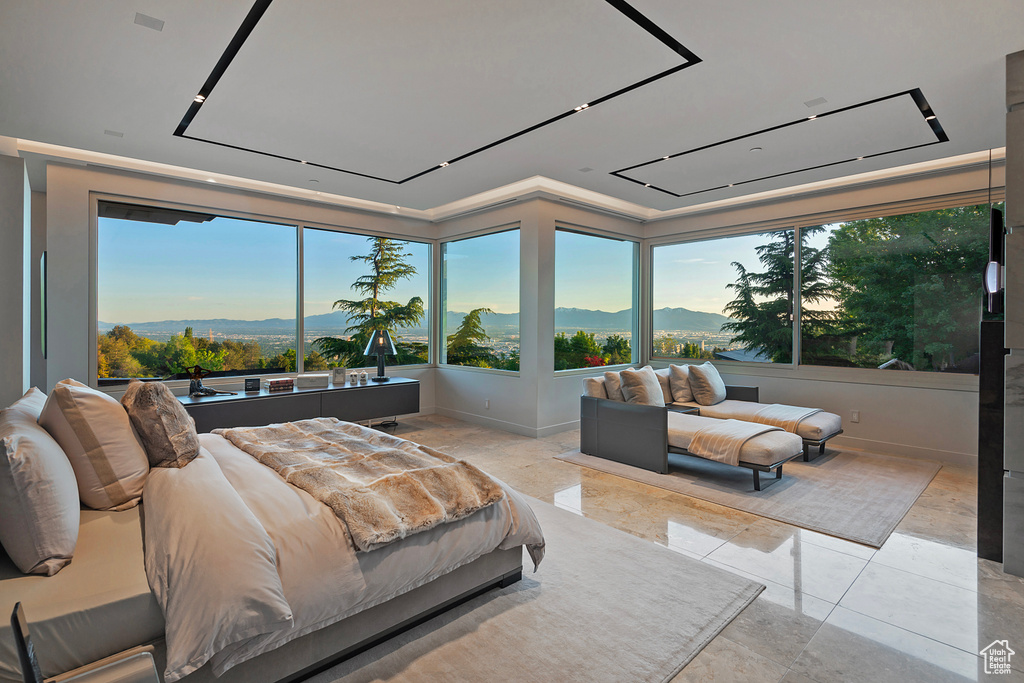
[(915, 94), (260, 8)]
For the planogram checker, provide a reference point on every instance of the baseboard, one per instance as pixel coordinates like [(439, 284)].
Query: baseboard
[(513, 427), (556, 429), (888, 448)]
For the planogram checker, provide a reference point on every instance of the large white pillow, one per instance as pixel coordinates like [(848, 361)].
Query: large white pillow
[(613, 385), (707, 385), (38, 495), (641, 387), (97, 436)]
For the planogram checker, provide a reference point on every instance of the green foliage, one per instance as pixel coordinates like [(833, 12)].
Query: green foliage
[(466, 345), (582, 350), (387, 268), (616, 349)]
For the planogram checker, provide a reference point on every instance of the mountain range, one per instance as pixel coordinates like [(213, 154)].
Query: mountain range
[(566, 319)]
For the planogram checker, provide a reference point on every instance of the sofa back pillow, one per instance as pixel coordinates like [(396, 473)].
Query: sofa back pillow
[(167, 432), (641, 387), (594, 386), (707, 385), (613, 385), (679, 383), (97, 436), (31, 403), (39, 509), (664, 380)]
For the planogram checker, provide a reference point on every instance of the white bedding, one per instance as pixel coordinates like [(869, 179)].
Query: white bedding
[(321, 577)]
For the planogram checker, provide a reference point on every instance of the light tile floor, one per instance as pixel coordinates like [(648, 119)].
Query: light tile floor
[(919, 609)]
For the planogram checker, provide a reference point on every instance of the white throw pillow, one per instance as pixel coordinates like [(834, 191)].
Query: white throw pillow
[(32, 403), (679, 383), (613, 386), (97, 436), (707, 385), (641, 387), (39, 509), (663, 379)]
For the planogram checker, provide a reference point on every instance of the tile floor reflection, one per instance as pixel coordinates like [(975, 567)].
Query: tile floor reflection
[(918, 609)]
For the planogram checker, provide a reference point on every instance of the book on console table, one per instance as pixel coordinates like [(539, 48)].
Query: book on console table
[(284, 384)]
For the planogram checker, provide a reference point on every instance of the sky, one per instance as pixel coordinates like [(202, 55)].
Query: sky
[(246, 270)]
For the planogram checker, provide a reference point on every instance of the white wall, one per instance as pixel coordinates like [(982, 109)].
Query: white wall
[(15, 231)]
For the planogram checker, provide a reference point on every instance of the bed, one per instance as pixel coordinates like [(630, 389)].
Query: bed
[(294, 595)]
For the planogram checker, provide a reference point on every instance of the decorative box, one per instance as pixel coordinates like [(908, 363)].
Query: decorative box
[(319, 380)]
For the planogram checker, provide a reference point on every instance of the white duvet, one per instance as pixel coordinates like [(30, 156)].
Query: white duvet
[(242, 562)]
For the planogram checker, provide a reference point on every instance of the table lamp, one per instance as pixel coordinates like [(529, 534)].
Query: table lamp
[(380, 345)]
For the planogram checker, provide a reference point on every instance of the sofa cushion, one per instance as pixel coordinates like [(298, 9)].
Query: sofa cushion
[(641, 387), (664, 380), (706, 384), (613, 385), (165, 428), (32, 403), (97, 436), (679, 383), (39, 510), (594, 386)]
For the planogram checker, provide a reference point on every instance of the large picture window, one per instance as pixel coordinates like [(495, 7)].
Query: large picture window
[(355, 284), (727, 299), (480, 292), (177, 289), (595, 300), (897, 292)]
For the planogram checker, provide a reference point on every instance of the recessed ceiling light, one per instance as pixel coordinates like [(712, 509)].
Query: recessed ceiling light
[(303, 162), (313, 180), (664, 157), (756, 149), (585, 169), (730, 184), (581, 107), (930, 118), (647, 184), (859, 158), (114, 133), (811, 118), (443, 164), (199, 98)]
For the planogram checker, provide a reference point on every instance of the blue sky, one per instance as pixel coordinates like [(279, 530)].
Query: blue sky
[(246, 270)]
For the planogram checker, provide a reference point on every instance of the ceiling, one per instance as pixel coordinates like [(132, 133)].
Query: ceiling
[(419, 103)]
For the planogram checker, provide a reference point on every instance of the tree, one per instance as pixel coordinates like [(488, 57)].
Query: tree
[(909, 287), (763, 309), (465, 345), (387, 267), (616, 349)]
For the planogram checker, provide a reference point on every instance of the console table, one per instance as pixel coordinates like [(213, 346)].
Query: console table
[(350, 402)]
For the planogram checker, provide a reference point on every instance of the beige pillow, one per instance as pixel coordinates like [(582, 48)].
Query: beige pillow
[(706, 384), (594, 386), (613, 386), (641, 387), (663, 380), (38, 495), (97, 436), (31, 403), (679, 382), (164, 427)]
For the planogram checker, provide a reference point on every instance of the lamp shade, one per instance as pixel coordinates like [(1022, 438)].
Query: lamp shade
[(380, 344)]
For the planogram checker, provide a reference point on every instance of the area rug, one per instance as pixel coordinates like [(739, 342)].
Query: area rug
[(604, 606), (853, 495)]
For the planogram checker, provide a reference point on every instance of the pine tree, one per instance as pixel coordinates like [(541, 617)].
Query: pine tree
[(465, 345)]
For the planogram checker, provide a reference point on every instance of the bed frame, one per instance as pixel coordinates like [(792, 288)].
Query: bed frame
[(637, 435), (320, 650)]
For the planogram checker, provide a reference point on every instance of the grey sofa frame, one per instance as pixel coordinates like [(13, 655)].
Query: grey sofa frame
[(637, 435)]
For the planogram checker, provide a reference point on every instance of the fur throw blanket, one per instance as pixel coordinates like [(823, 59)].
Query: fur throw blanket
[(382, 487)]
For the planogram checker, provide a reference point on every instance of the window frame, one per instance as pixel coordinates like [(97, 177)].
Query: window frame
[(96, 197), (636, 323)]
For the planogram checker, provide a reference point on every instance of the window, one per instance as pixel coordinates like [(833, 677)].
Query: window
[(898, 292), (354, 284), (595, 300), (480, 292), (176, 289), (729, 299)]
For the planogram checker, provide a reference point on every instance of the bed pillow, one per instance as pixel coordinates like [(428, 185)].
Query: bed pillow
[(594, 386), (167, 432), (38, 495), (641, 387), (31, 403), (707, 385), (613, 385), (97, 436), (679, 383), (663, 380)]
